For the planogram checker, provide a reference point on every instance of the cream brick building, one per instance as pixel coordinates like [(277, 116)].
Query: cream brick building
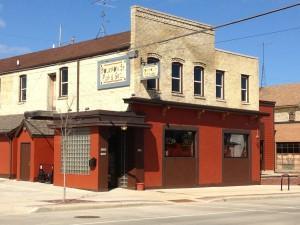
[(149, 30)]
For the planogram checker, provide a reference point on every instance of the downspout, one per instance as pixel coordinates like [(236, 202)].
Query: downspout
[(78, 77), (10, 156)]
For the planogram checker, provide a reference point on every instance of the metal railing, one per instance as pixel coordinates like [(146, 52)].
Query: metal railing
[(281, 182)]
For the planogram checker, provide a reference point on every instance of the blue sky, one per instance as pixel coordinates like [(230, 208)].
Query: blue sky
[(31, 25)]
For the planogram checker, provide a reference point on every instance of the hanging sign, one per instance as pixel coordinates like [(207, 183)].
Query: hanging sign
[(150, 71)]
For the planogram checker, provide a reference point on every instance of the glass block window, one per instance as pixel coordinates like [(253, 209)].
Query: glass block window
[(77, 151)]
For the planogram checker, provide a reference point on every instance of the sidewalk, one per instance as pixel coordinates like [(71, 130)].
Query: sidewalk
[(18, 197)]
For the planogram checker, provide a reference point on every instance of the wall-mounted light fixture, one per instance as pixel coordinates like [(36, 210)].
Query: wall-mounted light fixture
[(124, 128)]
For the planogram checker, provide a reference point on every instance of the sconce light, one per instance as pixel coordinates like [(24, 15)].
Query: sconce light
[(124, 128), (142, 61)]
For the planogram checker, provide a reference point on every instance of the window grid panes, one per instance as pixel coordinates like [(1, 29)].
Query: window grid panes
[(288, 147), (220, 84), (198, 81), (176, 77), (77, 152), (63, 82), (23, 87), (244, 88)]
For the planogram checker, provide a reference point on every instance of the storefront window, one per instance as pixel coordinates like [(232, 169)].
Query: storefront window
[(179, 143), (235, 145)]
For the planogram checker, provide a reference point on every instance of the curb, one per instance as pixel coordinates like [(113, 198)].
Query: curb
[(249, 197), (94, 205)]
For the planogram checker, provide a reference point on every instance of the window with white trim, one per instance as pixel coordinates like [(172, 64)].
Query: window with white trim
[(220, 84), (245, 88), (177, 77), (75, 147), (23, 88), (198, 81), (63, 82)]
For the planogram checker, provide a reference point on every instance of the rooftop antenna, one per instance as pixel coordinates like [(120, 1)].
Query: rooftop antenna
[(60, 35), (263, 70), (103, 4)]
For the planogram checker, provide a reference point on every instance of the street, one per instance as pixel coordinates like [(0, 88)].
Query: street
[(248, 211)]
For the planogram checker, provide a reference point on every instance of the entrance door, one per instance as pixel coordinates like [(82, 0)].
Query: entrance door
[(25, 162), (236, 158), (180, 158), (51, 92)]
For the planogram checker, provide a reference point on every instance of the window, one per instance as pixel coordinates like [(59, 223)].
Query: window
[(63, 88), (292, 116), (198, 81), (179, 143), (220, 84), (23, 88), (177, 77), (235, 145), (153, 84), (245, 88), (77, 151), (288, 147)]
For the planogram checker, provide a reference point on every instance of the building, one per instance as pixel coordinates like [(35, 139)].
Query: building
[(154, 106), (286, 120)]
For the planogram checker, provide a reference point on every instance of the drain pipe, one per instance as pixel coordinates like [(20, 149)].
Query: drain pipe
[(10, 156), (78, 77)]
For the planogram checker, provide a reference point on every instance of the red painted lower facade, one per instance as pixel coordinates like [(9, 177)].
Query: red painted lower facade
[(40, 152), (267, 134)]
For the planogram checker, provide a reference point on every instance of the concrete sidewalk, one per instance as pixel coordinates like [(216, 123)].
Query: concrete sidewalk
[(18, 197)]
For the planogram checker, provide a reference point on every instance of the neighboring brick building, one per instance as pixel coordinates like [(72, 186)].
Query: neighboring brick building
[(144, 106), (287, 126)]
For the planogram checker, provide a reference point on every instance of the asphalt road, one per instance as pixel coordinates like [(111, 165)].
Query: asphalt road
[(264, 211)]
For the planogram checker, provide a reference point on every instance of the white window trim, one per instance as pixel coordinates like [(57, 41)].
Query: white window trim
[(200, 82), (245, 89), (61, 83), (220, 85), (178, 78), (22, 88)]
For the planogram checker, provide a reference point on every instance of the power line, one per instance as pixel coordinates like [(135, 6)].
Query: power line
[(222, 25)]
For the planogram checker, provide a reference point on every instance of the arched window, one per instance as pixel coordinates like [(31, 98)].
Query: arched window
[(152, 84), (198, 81), (177, 77)]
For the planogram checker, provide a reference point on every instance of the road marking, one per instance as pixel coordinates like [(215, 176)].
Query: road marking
[(162, 217)]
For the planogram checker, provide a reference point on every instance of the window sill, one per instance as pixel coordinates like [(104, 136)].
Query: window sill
[(245, 103), (62, 98), (220, 100), (199, 97), (178, 94), (154, 91)]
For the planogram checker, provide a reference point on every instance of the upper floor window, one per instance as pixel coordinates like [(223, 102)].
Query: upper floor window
[(152, 84), (23, 88), (220, 84), (245, 88), (198, 81), (63, 82), (177, 77)]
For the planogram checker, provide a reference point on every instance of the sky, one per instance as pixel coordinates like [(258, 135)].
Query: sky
[(32, 25)]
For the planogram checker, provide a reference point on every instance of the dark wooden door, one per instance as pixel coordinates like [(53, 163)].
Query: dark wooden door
[(25, 161)]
